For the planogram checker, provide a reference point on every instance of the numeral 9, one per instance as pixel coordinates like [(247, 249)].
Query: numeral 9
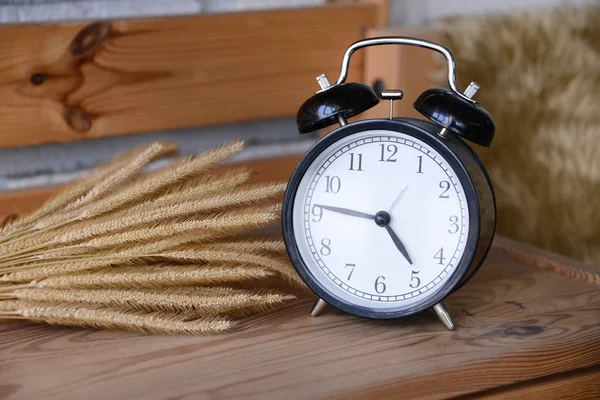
[(317, 215)]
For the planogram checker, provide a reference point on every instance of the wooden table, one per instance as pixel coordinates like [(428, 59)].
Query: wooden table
[(527, 326)]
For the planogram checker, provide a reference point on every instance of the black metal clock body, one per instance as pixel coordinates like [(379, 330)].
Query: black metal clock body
[(479, 197), (356, 250)]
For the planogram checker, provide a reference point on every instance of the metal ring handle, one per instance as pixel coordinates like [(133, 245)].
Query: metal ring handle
[(445, 51)]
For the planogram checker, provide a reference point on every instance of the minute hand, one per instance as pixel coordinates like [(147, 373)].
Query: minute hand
[(398, 243), (347, 211)]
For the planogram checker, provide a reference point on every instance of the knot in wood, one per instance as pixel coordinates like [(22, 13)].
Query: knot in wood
[(89, 39), (37, 78), (523, 330), (78, 119)]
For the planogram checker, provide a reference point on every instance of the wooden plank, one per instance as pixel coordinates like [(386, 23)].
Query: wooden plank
[(72, 81), (410, 69), (516, 322), (581, 386), (547, 259), (22, 202)]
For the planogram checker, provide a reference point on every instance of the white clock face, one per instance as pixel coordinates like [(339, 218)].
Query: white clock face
[(381, 220)]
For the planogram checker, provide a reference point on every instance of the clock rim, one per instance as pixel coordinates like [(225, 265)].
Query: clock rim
[(453, 161)]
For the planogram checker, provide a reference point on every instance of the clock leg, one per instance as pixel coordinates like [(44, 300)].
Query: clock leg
[(318, 308), (443, 314)]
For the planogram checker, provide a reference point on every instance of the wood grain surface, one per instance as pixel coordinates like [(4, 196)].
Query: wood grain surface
[(581, 384), (521, 330), (71, 81), (547, 259)]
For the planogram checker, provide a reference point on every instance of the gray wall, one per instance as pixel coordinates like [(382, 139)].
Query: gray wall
[(417, 12)]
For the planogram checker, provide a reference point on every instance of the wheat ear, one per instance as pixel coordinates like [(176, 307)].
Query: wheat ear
[(255, 246), (114, 318), (77, 228), (206, 185), (149, 212), (220, 225), (201, 301), (276, 264), (121, 257), (143, 215), (124, 174), (151, 184), (74, 191), (152, 277)]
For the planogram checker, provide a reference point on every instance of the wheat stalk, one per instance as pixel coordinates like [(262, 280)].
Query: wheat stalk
[(201, 301), (141, 215), (202, 187), (120, 176), (150, 184), (152, 277), (88, 185), (218, 226), (198, 188), (114, 318), (145, 214), (275, 264), (255, 246)]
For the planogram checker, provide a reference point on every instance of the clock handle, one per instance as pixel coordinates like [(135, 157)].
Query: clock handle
[(406, 41)]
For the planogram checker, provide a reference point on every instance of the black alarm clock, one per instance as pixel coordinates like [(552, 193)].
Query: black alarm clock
[(384, 218)]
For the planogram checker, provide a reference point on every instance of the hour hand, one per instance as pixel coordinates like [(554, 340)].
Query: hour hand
[(347, 211), (398, 243)]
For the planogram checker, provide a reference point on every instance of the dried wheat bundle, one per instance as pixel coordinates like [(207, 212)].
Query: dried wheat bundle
[(165, 251)]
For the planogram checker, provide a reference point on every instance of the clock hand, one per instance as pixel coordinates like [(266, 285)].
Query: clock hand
[(398, 243), (347, 211), (397, 198)]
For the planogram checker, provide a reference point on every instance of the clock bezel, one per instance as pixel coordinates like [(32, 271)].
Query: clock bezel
[(470, 197)]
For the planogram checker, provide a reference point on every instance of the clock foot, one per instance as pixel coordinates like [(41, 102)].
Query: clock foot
[(318, 308), (443, 314)]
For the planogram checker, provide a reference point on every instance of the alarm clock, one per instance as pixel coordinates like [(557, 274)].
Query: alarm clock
[(384, 218)]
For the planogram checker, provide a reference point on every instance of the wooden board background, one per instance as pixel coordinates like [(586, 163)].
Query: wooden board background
[(73, 81), (523, 330)]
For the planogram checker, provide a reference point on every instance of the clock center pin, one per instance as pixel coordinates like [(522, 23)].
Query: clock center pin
[(383, 218)]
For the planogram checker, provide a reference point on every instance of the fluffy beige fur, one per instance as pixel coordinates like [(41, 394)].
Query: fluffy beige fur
[(540, 78)]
